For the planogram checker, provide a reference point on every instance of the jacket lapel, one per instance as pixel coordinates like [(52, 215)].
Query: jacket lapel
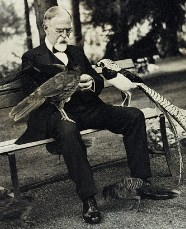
[(72, 53), (43, 54)]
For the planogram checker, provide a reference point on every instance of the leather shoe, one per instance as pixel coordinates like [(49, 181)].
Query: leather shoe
[(91, 213), (155, 192)]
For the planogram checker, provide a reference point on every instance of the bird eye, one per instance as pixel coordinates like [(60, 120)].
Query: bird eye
[(102, 64)]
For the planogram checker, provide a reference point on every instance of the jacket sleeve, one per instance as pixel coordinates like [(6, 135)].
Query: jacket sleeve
[(27, 81), (99, 82)]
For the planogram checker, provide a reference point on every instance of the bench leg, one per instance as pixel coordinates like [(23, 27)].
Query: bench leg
[(165, 141), (13, 173)]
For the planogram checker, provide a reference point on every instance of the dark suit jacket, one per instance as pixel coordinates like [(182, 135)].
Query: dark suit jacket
[(41, 56), (37, 122)]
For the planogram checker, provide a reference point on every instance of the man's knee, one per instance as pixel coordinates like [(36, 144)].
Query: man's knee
[(137, 114), (134, 114), (69, 139), (68, 128)]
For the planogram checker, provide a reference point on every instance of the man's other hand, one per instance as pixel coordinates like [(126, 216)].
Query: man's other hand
[(85, 82)]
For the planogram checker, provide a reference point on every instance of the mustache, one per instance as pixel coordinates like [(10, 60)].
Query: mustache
[(62, 40)]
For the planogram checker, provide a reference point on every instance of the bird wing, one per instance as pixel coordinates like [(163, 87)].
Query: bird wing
[(55, 86), (132, 183), (29, 104), (122, 188), (18, 75), (68, 90), (60, 82), (131, 76), (121, 82)]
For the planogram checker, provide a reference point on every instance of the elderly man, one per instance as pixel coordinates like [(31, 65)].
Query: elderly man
[(85, 107)]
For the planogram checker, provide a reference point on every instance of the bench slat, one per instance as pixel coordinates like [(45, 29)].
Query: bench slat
[(9, 146), (151, 112), (14, 147), (11, 94), (11, 142)]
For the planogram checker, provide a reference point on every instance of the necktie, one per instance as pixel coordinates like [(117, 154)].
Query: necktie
[(61, 56)]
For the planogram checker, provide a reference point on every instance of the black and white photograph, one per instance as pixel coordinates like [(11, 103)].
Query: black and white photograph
[(92, 114)]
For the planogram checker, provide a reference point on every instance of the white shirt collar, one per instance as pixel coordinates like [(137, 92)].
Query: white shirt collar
[(48, 44)]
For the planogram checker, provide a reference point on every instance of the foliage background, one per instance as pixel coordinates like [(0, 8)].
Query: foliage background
[(108, 27)]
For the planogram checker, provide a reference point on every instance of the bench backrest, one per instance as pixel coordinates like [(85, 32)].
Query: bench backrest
[(11, 94)]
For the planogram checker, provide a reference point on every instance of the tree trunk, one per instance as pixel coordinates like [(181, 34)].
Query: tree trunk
[(116, 47), (40, 8), (171, 15), (27, 26), (76, 23), (172, 48)]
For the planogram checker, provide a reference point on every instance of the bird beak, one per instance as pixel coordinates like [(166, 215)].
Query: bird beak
[(98, 64)]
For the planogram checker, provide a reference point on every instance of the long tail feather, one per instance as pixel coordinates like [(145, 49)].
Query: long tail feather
[(24, 108), (157, 192), (178, 146), (173, 110)]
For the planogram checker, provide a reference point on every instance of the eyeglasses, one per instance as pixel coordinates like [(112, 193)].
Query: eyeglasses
[(62, 31)]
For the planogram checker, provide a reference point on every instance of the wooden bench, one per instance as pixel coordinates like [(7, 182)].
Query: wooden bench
[(11, 94)]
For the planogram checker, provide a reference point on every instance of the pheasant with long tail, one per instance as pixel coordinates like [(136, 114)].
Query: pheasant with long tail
[(130, 188), (117, 76)]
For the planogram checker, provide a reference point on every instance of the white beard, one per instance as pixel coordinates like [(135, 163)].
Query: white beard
[(60, 44), (60, 47)]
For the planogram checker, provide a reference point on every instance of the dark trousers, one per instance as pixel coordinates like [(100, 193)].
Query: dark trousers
[(128, 121)]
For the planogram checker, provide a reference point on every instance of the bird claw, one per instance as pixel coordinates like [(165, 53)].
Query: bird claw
[(26, 223), (68, 119), (137, 208), (132, 206), (65, 116), (137, 202)]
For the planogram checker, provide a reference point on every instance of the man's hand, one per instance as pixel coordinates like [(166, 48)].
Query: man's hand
[(85, 82)]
